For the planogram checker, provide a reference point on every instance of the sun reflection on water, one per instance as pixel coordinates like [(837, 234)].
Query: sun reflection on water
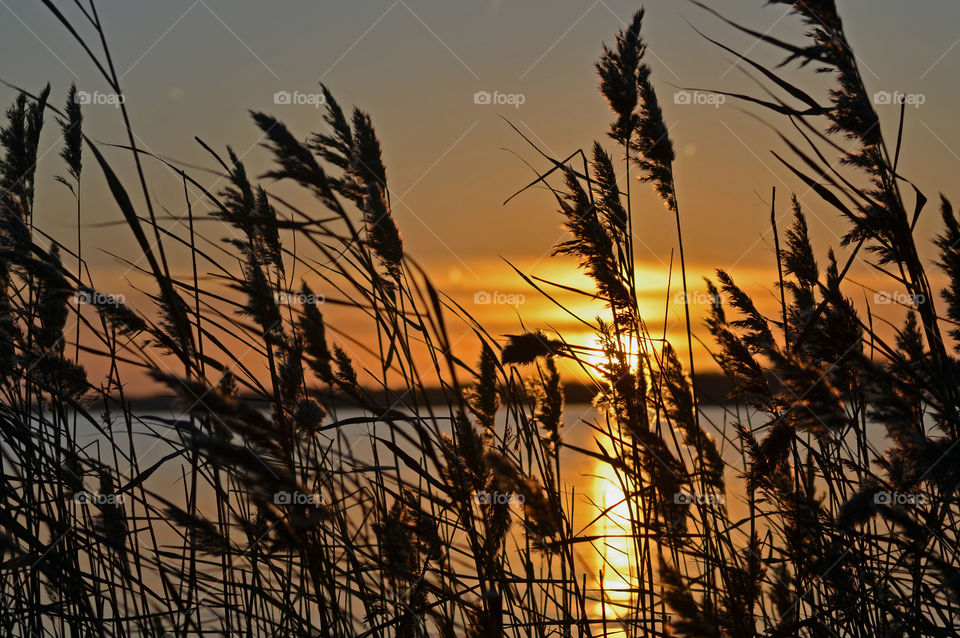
[(614, 550)]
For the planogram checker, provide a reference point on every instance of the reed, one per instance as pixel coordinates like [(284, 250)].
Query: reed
[(409, 492)]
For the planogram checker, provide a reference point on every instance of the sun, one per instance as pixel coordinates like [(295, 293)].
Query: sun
[(590, 352)]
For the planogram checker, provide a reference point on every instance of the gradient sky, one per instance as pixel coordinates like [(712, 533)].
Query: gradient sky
[(194, 67)]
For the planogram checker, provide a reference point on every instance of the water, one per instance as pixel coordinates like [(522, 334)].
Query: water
[(592, 492)]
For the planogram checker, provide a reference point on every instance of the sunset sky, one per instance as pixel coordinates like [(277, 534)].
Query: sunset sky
[(195, 67)]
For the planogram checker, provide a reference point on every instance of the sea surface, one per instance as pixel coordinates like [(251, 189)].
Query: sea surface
[(594, 496)]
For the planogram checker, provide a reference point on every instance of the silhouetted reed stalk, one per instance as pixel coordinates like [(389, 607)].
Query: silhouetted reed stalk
[(328, 486)]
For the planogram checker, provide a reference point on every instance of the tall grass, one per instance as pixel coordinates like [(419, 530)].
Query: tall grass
[(320, 495)]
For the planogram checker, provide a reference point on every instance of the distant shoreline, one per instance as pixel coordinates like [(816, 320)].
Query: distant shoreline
[(712, 389)]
